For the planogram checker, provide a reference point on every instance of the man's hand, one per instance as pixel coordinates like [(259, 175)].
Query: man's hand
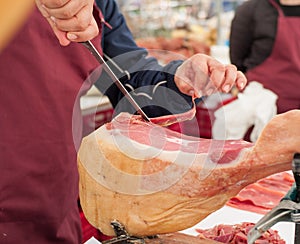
[(202, 75), (71, 20)]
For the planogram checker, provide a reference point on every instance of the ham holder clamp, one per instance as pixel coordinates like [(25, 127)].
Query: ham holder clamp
[(288, 210), (122, 237)]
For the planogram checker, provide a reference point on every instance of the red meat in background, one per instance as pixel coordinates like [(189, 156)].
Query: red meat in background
[(265, 194)]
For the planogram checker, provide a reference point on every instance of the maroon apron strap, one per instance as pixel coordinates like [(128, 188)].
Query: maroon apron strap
[(280, 72)]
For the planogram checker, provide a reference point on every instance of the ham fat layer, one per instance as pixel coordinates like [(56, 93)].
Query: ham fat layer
[(154, 180)]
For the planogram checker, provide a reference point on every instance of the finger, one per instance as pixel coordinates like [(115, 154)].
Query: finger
[(184, 84), (209, 89), (241, 80), (53, 4), (89, 33), (197, 74), (182, 78), (42, 9), (69, 10), (61, 35), (217, 73), (200, 81), (229, 79), (77, 23)]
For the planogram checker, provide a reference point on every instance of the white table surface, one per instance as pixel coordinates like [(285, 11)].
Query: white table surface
[(229, 215)]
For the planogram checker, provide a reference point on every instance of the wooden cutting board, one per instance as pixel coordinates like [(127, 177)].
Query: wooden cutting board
[(178, 238)]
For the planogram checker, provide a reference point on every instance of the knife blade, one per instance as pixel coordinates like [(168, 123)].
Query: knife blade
[(89, 45)]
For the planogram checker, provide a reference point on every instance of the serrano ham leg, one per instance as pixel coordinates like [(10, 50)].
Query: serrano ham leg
[(280, 139), (155, 181)]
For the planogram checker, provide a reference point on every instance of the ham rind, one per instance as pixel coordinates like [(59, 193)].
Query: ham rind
[(155, 181)]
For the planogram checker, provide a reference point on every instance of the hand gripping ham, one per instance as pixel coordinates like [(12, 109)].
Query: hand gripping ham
[(155, 181)]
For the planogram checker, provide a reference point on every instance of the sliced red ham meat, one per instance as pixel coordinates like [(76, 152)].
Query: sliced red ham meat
[(237, 234), (175, 118), (263, 195), (155, 181)]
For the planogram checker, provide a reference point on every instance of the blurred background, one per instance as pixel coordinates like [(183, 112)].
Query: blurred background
[(174, 29)]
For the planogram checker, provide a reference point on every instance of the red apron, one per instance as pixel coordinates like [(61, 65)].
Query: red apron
[(40, 81), (280, 72)]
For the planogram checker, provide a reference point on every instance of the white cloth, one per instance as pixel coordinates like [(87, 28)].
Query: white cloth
[(255, 106), (93, 240)]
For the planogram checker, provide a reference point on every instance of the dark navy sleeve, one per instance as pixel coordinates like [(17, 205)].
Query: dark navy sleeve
[(151, 84)]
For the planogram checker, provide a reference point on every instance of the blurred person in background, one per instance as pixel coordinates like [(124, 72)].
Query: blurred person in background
[(42, 80), (264, 44)]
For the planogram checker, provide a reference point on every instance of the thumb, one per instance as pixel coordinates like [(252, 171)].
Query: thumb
[(61, 35)]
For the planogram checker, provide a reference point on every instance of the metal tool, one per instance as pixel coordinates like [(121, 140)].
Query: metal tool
[(122, 237), (296, 172), (89, 45), (288, 210)]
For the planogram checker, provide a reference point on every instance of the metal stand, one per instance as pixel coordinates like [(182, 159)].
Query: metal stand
[(287, 210)]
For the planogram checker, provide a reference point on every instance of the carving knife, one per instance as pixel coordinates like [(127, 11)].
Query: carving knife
[(89, 45)]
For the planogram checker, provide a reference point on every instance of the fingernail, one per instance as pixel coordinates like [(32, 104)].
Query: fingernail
[(226, 88), (72, 36)]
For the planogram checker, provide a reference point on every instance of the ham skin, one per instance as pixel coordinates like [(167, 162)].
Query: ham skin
[(156, 181)]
